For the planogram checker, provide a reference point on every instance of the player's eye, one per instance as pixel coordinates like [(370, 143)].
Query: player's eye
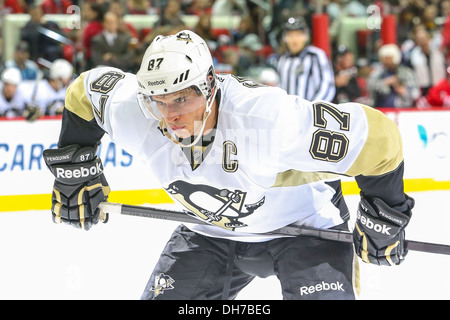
[(160, 103), (180, 99)]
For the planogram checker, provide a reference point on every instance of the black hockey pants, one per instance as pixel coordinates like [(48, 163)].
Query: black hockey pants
[(193, 266)]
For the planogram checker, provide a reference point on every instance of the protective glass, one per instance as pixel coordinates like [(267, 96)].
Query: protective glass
[(172, 104)]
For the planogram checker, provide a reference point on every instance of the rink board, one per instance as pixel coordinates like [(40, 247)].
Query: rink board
[(26, 183)]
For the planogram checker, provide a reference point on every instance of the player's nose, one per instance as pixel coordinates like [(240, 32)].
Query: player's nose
[(172, 116)]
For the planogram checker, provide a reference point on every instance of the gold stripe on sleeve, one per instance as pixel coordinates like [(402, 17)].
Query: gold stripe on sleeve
[(382, 151), (293, 178), (76, 100)]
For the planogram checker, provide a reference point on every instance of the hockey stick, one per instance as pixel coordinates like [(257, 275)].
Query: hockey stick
[(290, 230), (55, 36)]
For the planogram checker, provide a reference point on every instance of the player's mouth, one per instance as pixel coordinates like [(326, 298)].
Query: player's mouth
[(177, 128)]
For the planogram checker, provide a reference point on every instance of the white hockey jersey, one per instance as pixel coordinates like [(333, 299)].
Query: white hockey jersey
[(42, 94), (13, 107), (268, 162)]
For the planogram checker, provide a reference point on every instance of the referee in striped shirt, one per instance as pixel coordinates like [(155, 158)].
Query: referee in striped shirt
[(304, 70)]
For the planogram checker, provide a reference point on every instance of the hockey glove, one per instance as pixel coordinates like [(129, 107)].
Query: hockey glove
[(80, 185), (31, 112), (379, 234)]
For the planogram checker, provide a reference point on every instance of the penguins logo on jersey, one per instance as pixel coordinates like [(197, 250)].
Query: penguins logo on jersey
[(221, 207), (162, 282)]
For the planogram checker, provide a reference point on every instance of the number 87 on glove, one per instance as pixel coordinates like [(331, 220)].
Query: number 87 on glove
[(79, 187)]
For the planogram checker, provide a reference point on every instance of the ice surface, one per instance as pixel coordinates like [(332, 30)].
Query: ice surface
[(41, 260)]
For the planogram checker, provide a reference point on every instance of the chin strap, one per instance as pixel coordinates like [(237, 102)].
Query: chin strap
[(206, 114), (165, 131)]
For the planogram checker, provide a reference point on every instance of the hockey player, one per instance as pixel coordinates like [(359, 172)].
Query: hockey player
[(46, 97), (246, 158), (12, 101)]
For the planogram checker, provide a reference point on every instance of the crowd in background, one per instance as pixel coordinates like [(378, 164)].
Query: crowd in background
[(414, 72)]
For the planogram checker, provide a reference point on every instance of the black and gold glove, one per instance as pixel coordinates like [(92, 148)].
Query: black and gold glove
[(80, 185), (379, 234), (32, 112)]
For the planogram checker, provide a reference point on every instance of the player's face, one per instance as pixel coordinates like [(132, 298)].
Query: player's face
[(9, 90), (182, 111)]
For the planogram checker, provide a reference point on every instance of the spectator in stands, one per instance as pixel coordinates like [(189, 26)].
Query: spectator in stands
[(445, 33), (137, 6), (41, 45), (230, 63), (411, 14), (116, 6), (248, 54), (170, 15), (244, 28), (198, 7), (345, 76), (257, 12), (73, 52), (163, 30), (47, 96), (230, 8), (111, 48), (404, 25), (444, 10), (439, 94), (364, 71), (427, 61), (204, 29), (56, 6), (12, 102), (243, 59), (93, 13), (28, 68), (391, 84), (11, 6), (429, 17), (409, 44)]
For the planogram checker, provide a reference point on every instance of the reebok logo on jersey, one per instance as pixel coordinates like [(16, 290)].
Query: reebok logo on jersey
[(380, 228), (81, 172), (324, 286), (156, 82)]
